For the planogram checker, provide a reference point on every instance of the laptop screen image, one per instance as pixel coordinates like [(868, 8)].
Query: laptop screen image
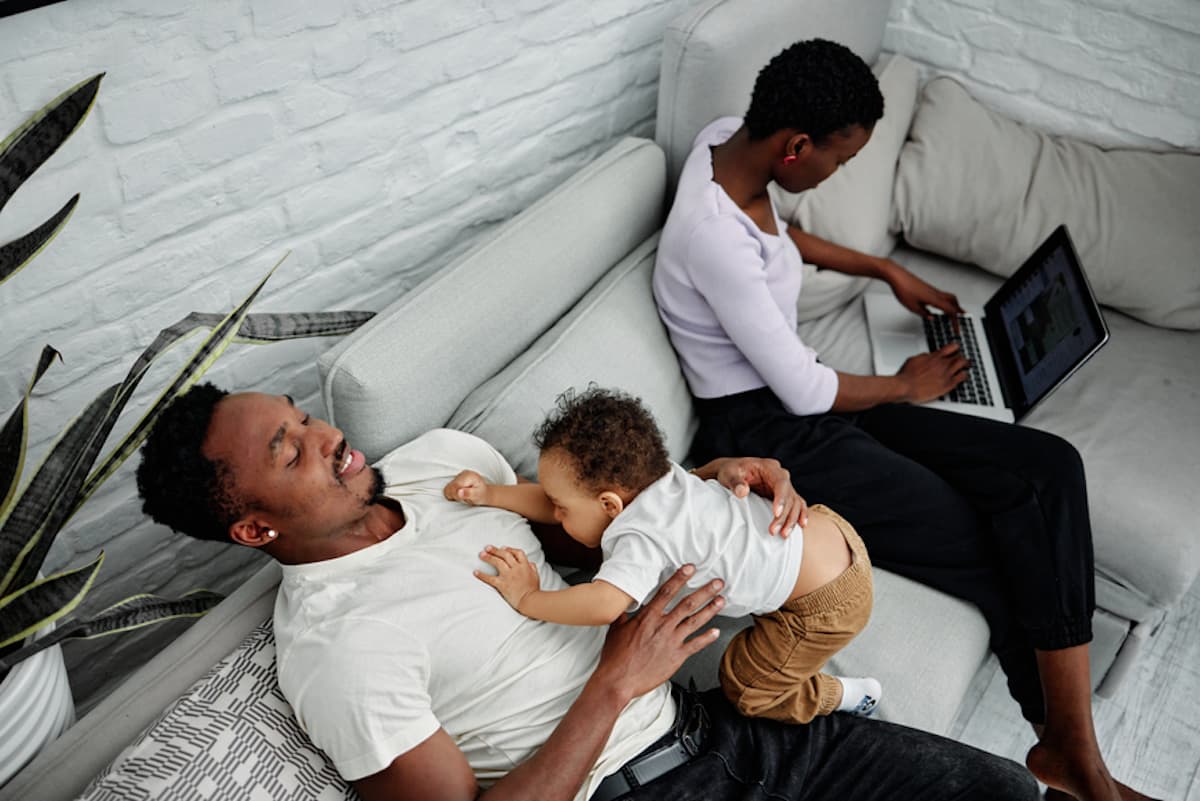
[(1050, 322)]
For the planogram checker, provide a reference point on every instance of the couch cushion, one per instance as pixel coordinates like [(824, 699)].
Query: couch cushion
[(405, 371), (975, 186), (1131, 411), (907, 621), (232, 735), (613, 338), (853, 207)]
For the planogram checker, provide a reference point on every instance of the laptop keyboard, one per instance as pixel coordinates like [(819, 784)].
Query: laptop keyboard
[(939, 332)]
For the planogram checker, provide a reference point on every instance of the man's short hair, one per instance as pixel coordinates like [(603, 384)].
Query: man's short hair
[(179, 486), (611, 437), (815, 87)]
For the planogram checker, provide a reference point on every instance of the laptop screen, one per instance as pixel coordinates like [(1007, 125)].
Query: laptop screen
[(1049, 319)]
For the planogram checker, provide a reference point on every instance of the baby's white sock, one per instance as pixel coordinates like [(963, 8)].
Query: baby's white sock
[(860, 695)]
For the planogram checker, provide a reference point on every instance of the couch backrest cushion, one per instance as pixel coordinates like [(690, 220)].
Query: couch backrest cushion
[(976, 186), (406, 370), (612, 338), (853, 207), (712, 54)]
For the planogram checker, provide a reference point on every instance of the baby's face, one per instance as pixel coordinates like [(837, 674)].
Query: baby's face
[(578, 510)]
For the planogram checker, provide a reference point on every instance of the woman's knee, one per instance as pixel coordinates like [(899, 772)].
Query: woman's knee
[(1054, 458)]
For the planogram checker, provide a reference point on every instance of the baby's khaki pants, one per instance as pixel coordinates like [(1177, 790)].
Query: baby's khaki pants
[(772, 669)]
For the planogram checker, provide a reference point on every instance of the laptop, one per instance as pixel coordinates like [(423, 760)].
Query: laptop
[(1034, 332)]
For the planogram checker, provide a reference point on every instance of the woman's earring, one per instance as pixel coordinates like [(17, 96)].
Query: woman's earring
[(789, 158), (272, 533)]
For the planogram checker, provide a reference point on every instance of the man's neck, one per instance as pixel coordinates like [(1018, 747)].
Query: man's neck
[(383, 518)]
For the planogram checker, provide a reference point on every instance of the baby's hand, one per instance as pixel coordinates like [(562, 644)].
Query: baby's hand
[(468, 487), (516, 576)]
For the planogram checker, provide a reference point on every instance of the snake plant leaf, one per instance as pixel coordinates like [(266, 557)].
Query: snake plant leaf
[(40, 506), (260, 329), (44, 601), (132, 613), (19, 252), (28, 147), (15, 433), (59, 495), (252, 328)]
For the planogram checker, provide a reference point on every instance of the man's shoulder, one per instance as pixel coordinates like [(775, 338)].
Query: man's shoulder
[(441, 453), (436, 443)]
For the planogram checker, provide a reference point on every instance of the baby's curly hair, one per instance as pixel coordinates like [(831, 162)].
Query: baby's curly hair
[(816, 87), (611, 437), (178, 485)]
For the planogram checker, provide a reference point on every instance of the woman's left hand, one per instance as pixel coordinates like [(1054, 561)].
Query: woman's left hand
[(768, 478), (918, 296)]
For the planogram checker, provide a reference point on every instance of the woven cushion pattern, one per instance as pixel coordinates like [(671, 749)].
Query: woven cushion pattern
[(232, 735)]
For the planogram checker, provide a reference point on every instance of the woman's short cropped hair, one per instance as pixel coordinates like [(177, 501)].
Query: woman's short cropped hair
[(815, 87), (611, 437)]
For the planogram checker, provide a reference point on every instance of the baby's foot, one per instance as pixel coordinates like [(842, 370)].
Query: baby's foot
[(860, 695)]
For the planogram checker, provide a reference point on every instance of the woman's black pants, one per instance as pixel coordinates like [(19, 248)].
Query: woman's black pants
[(990, 512)]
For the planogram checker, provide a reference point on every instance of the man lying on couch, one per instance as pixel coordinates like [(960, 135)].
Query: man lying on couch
[(420, 682)]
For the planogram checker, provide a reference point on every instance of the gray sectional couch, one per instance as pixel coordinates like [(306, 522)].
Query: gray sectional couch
[(560, 297)]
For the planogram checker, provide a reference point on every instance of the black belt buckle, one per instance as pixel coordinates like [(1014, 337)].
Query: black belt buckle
[(691, 724), (677, 747)]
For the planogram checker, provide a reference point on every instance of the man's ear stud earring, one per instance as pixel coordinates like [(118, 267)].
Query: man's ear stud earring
[(272, 533)]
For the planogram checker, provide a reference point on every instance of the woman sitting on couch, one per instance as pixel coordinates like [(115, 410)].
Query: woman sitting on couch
[(989, 512)]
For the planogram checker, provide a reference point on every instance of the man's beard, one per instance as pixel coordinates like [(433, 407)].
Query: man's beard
[(377, 486)]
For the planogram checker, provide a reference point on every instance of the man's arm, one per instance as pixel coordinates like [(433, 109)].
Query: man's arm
[(639, 654)]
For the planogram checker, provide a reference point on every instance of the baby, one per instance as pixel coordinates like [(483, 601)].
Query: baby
[(605, 476)]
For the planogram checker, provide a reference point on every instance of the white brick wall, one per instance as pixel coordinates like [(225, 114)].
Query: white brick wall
[(375, 139), (1114, 72)]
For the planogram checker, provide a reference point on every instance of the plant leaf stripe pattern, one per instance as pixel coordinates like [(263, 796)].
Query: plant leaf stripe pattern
[(15, 433), (45, 601), (44, 505), (19, 252), (28, 147), (131, 613)]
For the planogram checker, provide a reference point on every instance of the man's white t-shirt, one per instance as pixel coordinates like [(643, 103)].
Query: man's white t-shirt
[(681, 518), (378, 648)]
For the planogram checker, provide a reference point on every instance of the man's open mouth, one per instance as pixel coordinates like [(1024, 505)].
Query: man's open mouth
[(342, 458)]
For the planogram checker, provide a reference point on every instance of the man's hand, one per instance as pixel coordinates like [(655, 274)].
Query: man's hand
[(932, 375), (516, 576), (916, 295), (644, 650), (468, 487), (768, 478)]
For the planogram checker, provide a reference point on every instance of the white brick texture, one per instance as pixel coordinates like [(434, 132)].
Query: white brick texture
[(1113, 72), (376, 140)]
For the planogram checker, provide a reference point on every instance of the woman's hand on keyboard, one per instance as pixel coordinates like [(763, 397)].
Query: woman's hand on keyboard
[(932, 375), (918, 296)]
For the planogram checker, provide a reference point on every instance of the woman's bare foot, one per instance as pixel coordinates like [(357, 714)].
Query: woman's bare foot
[(1130, 794), (1127, 794), (1072, 768)]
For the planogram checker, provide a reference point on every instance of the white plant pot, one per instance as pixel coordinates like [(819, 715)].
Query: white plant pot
[(35, 707)]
